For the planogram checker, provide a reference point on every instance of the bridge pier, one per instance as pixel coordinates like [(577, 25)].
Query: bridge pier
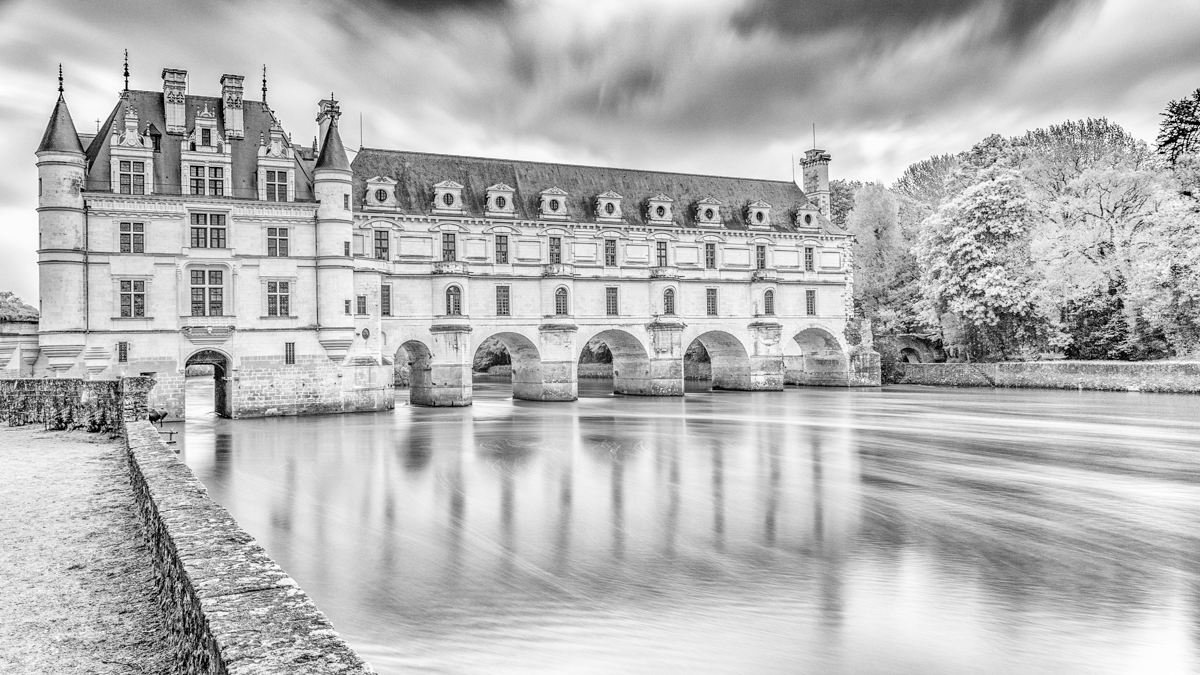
[(441, 374), (551, 374)]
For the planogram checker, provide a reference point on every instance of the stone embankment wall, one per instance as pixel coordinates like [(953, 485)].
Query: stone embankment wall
[(1150, 376), (70, 403), (229, 608), (594, 370)]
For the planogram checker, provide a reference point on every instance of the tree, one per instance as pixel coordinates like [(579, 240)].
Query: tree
[(841, 199), (975, 263), (1179, 132), (12, 309)]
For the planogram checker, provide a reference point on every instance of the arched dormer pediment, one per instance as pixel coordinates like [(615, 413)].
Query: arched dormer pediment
[(379, 224), (501, 229), (611, 234), (449, 227), (759, 239), (665, 236), (712, 238), (554, 231)]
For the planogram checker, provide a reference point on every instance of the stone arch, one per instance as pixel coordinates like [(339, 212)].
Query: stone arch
[(729, 360), (816, 356), (631, 362), (526, 360), (910, 355), (420, 371), (222, 364)]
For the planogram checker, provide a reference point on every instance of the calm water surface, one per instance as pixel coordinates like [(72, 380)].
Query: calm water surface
[(904, 530)]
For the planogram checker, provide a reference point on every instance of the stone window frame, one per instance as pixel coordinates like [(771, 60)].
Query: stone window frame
[(670, 299), (565, 308), (227, 288), (503, 300), (716, 251), (226, 225), (264, 302), (289, 353), (612, 301), (383, 236), (147, 281), (768, 302), (810, 302), (285, 238), (712, 301), (362, 307), (454, 296), (386, 307), (497, 240), (133, 235)]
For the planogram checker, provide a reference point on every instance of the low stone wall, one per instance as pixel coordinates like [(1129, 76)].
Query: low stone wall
[(594, 370), (228, 607), (1151, 376), (697, 371), (71, 403)]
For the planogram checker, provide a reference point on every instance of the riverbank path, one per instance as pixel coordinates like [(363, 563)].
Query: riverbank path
[(76, 587)]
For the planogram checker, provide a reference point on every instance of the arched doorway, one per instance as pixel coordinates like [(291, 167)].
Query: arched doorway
[(222, 386), (728, 362), (814, 357), (524, 365), (622, 354)]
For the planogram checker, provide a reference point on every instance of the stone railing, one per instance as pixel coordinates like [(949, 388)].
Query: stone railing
[(558, 270), (227, 606), (664, 272), (71, 403), (457, 267), (766, 274)]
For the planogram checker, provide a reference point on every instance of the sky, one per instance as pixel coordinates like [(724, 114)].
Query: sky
[(727, 87)]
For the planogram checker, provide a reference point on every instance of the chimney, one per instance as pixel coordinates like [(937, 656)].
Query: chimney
[(329, 111), (174, 91), (231, 102)]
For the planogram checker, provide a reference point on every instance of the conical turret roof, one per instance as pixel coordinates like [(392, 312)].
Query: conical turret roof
[(60, 133), (333, 153)]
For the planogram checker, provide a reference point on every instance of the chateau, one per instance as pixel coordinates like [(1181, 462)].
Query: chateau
[(192, 230)]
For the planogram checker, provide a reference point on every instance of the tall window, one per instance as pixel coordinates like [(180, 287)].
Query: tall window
[(662, 254), (208, 230), (502, 249), (710, 256), (208, 292), (611, 304), (289, 353), (381, 244), (669, 301), (769, 302), (347, 308), (810, 302), (122, 352), (454, 301), (216, 181), (197, 180), (206, 137), (361, 304), (610, 252), (760, 257), (133, 299), (560, 302), (277, 242), (448, 248), (132, 176), (385, 299), (503, 307), (277, 186), (279, 298), (711, 301), (809, 263), (133, 237), (555, 250)]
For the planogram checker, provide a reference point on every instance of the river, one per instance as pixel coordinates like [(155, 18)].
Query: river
[(896, 530)]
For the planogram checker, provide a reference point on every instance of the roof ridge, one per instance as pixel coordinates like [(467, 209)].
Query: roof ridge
[(581, 166)]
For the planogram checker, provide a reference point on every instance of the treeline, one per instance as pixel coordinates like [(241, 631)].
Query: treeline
[(1076, 241)]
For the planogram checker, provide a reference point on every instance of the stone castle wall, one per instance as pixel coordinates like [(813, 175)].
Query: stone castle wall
[(1149, 376)]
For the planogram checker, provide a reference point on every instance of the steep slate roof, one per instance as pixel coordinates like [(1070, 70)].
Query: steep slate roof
[(333, 153), (256, 117), (417, 172), (60, 133)]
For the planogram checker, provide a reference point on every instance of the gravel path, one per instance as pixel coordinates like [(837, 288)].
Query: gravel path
[(76, 591)]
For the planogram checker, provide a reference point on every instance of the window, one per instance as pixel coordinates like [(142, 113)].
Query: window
[(810, 302), (610, 252), (133, 238), (133, 299), (277, 242), (346, 252), (711, 301), (289, 353), (385, 299), (206, 137), (769, 302), (560, 302), (448, 252), (122, 352), (278, 298), (197, 180), (381, 244), (760, 257), (453, 301), (448, 199), (208, 230), (361, 304), (809, 265), (208, 292), (347, 307), (710, 256), (611, 304), (346, 203), (669, 301), (216, 183), (662, 254), (501, 249), (277, 186), (555, 250), (502, 301), (132, 176)]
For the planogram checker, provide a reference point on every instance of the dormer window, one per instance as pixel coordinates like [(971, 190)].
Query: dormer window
[(554, 203), (132, 178), (500, 201), (447, 197), (708, 212), (381, 192), (608, 207), (381, 195), (277, 186), (206, 137), (660, 210), (758, 214)]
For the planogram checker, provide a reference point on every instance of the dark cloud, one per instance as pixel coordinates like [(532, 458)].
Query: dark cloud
[(1004, 20), (435, 6)]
